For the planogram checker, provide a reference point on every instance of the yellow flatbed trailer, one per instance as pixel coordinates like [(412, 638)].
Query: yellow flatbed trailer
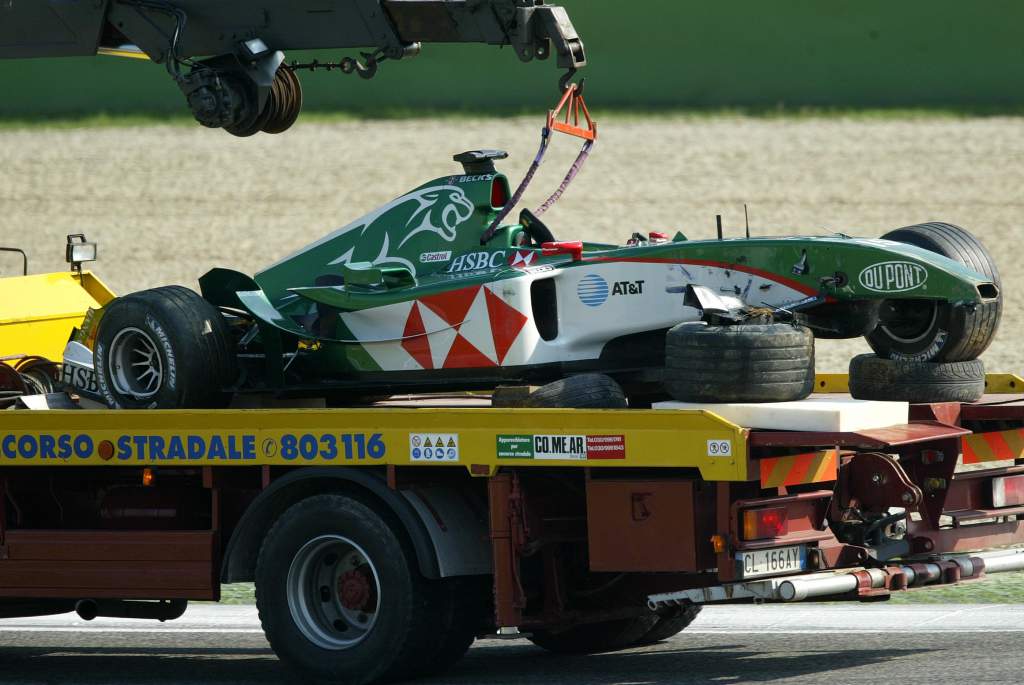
[(383, 540)]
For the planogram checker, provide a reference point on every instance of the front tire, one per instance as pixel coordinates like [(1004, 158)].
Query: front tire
[(936, 331)]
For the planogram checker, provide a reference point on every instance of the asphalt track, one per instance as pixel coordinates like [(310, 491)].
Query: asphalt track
[(740, 644)]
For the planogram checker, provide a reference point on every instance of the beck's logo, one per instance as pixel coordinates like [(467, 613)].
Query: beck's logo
[(628, 288), (893, 277)]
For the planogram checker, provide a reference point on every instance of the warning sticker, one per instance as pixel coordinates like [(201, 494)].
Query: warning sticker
[(571, 447), (434, 446)]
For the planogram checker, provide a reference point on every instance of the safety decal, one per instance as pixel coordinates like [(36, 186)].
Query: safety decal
[(434, 447), (571, 447), (996, 446), (812, 467)]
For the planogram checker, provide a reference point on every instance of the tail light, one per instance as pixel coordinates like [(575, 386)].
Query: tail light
[(1007, 491), (499, 193), (764, 523)]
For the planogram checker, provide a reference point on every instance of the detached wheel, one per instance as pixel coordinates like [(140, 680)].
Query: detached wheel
[(341, 600), (874, 378), (585, 391), (934, 331), (165, 348), (755, 363)]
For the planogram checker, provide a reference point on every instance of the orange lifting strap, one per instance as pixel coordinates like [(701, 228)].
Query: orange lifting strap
[(566, 117)]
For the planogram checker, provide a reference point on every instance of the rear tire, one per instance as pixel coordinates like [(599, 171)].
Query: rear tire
[(590, 638), (165, 348), (667, 626), (340, 598), (742, 363), (874, 378), (934, 331)]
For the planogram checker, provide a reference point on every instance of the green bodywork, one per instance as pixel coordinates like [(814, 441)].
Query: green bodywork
[(427, 242)]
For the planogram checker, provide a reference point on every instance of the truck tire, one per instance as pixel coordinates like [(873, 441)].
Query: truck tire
[(585, 391), (165, 348), (875, 378), (341, 600), (934, 331), (590, 638), (670, 625), (742, 363), (463, 613)]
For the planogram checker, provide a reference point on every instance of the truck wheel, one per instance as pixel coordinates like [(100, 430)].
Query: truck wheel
[(874, 378), (340, 598), (934, 331), (165, 348), (590, 638), (742, 363), (462, 616), (670, 625), (585, 391)]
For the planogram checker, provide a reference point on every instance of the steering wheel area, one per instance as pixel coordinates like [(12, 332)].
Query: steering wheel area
[(535, 229)]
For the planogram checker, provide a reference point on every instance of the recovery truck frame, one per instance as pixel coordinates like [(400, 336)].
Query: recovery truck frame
[(555, 523)]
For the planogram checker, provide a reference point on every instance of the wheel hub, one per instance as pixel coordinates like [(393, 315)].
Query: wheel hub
[(355, 589)]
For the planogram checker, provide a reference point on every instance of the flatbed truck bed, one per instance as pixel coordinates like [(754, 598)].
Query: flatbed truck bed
[(557, 524)]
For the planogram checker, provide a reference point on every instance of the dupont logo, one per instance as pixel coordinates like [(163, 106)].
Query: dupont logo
[(592, 290), (893, 277)]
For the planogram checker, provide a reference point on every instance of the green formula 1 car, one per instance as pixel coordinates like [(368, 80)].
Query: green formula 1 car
[(408, 298)]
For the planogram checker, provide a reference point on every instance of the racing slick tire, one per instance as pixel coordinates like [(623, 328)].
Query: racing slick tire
[(585, 391), (591, 638), (875, 378), (165, 348), (934, 331), (741, 363), (341, 600), (670, 625)]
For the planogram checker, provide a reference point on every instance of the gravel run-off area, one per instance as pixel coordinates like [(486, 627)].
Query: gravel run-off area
[(168, 202)]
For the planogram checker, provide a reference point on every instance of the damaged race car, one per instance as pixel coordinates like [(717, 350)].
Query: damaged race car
[(433, 293)]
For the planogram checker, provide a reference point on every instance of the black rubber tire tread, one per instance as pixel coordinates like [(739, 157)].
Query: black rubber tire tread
[(876, 378), (978, 328), (667, 626), (461, 618), (591, 638), (585, 391), (403, 636), (743, 363), (198, 339)]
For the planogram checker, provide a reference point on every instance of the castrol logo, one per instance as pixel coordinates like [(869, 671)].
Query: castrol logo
[(893, 277)]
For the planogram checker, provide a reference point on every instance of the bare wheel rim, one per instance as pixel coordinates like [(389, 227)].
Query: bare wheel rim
[(136, 367), (913, 323), (333, 592)]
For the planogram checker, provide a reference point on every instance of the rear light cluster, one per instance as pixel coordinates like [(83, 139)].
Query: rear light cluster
[(499, 193), (765, 523), (1008, 491)]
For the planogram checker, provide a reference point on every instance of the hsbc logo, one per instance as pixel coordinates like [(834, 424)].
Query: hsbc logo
[(476, 261), (521, 259)]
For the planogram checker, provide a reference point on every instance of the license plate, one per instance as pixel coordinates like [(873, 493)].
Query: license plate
[(772, 562)]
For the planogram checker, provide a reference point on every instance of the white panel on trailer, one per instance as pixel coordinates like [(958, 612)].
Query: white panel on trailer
[(830, 414)]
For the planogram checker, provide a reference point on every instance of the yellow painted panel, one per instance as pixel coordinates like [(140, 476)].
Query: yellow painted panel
[(557, 437), (38, 312), (831, 383)]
